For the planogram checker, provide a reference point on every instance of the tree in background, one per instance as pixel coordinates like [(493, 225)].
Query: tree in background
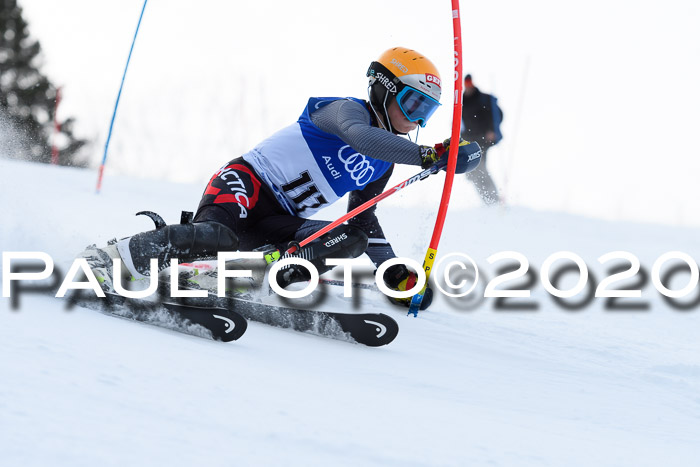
[(27, 97)]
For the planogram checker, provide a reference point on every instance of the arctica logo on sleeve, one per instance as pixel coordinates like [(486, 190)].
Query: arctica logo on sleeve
[(235, 184)]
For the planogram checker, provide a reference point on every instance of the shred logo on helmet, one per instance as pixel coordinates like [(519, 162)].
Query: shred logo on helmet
[(410, 79), (387, 83), (400, 65)]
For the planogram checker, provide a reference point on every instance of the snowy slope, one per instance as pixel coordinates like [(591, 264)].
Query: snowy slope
[(457, 387)]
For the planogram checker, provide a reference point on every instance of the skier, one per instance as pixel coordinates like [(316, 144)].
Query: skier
[(263, 200)]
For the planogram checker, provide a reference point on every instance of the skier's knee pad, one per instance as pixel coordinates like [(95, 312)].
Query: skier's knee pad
[(351, 241), (183, 241), (345, 241)]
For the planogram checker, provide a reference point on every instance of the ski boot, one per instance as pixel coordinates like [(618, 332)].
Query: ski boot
[(100, 261), (399, 278), (184, 241), (205, 275)]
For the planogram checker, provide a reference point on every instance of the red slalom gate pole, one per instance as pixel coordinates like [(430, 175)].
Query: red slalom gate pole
[(56, 128), (451, 161), (368, 204)]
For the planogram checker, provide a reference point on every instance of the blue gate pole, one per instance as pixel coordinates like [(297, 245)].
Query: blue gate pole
[(116, 105)]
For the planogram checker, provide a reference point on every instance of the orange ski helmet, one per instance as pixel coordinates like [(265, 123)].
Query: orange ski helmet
[(408, 77)]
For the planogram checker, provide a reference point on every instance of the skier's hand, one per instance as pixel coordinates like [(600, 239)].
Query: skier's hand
[(430, 155), (468, 155), (398, 277)]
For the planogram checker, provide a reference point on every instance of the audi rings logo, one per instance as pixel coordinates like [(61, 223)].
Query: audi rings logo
[(357, 166)]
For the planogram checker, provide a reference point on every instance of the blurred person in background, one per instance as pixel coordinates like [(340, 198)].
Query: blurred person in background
[(481, 120)]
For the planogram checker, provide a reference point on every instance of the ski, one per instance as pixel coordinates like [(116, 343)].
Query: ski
[(207, 322), (370, 329), (354, 285), (224, 318)]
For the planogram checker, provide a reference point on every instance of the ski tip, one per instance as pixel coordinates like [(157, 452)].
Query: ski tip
[(370, 329), (231, 326)]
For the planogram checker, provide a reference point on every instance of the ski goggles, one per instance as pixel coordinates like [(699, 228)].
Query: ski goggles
[(416, 106)]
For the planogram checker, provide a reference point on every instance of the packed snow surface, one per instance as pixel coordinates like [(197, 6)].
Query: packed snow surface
[(461, 385)]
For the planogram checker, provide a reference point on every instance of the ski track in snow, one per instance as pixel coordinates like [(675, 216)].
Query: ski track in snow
[(480, 387)]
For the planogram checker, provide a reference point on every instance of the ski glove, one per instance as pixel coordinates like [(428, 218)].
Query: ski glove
[(398, 277), (468, 156)]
